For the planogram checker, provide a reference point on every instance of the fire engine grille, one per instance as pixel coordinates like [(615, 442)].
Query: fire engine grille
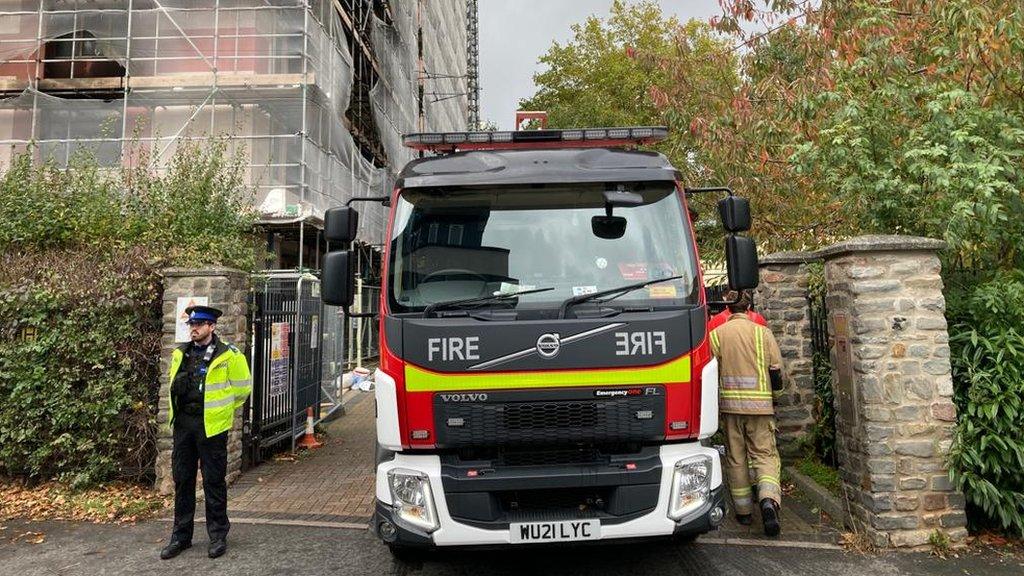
[(517, 418)]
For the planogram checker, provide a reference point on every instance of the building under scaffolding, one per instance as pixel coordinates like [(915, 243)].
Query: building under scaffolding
[(315, 93)]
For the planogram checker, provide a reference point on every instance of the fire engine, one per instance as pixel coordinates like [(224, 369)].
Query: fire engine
[(545, 373)]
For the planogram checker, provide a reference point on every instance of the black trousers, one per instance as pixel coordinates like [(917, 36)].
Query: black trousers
[(192, 447)]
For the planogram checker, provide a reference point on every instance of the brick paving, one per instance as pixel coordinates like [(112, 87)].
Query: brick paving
[(333, 483)]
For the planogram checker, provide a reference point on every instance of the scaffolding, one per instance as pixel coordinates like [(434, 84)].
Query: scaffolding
[(315, 94), (472, 65)]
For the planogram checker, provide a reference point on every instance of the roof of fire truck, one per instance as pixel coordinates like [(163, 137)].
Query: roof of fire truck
[(536, 157)]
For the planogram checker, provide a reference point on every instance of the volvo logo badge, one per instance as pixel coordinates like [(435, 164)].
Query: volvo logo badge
[(548, 345)]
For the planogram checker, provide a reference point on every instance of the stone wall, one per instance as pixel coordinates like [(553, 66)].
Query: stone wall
[(782, 298), (891, 372), (228, 290)]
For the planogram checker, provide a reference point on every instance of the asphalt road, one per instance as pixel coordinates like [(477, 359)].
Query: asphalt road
[(261, 549)]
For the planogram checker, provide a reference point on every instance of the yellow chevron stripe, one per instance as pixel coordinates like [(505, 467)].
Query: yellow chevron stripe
[(421, 380)]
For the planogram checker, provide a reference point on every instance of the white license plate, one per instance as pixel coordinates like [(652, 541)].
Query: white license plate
[(564, 531)]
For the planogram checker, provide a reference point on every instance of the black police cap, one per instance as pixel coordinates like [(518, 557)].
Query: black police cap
[(203, 313)]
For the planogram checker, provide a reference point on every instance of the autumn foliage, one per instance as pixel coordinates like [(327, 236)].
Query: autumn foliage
[(845, 117)]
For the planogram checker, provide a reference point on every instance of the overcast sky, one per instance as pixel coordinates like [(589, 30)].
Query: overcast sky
[(515, 33)]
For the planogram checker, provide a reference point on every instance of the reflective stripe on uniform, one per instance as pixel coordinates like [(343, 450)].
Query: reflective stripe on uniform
[(242, 383), (762, 378), (218, 386), (220, 403), (740, 382), (714, 342), (741, 491), (751, 406), (745, 394), (768, 480)]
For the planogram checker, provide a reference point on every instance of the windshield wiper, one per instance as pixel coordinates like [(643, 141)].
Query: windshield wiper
[(431, 308), (613, 292)]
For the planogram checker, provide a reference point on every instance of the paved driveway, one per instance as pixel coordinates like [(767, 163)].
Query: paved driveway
[(72, 549)]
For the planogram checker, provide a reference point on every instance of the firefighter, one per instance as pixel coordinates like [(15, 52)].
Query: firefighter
[(750, 368), (209, 381)]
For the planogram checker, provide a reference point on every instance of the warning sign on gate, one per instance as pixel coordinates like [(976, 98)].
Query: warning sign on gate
[(279, 355)]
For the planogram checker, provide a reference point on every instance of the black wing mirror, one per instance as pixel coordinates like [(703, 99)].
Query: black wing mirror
[(341, 224), (741, 262), (735, 213), (338, 279)]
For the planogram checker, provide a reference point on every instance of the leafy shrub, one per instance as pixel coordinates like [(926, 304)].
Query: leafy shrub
[(199, 212), (79, 364), (80, 301), (988, 368)]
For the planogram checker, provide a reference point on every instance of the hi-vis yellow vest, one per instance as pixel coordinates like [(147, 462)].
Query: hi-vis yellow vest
[(228, 384)]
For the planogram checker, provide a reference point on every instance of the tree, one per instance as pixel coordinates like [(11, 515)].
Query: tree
[(612, 73), (842, 117), (593, 81), (906, 117)]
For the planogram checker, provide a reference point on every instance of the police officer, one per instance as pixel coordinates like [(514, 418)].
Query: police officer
[(750, 369), (209, 380)]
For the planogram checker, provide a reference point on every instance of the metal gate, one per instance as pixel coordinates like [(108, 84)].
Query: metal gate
[(821, 365), (286, 315)]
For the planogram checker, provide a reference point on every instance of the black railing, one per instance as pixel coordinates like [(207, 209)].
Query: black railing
[(286, 317), (824, 407)]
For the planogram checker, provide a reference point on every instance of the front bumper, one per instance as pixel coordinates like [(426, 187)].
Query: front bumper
[(451, 532)]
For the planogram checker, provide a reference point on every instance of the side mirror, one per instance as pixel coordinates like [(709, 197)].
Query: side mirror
[(735, 213), (338, 281), (608, 227), (741, 262), (341, 224)]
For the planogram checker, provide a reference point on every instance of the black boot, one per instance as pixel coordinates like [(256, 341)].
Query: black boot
[(218, 548), (745, 519), (173, 549), (770, 516)]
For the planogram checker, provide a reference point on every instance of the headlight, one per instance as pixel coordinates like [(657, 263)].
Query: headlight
[(412, 500), (691, 484)]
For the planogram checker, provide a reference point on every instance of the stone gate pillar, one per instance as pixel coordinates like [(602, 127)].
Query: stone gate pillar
[(782, 298), (223, 288), (894, 409)]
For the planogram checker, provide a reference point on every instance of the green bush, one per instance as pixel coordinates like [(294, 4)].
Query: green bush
[(81, 251), (987, 343), (197, 212), (78, 371)]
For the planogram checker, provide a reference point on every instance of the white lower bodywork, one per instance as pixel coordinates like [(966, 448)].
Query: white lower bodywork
[(386, 395), (452, 533), (709, 399)]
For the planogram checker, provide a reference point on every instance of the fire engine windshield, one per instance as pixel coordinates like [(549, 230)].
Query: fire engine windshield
[(461, 243)]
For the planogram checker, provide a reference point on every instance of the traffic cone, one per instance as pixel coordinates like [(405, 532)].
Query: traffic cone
[(308, 440)]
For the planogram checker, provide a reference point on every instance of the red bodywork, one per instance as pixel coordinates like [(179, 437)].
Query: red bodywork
[(416, 409)]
